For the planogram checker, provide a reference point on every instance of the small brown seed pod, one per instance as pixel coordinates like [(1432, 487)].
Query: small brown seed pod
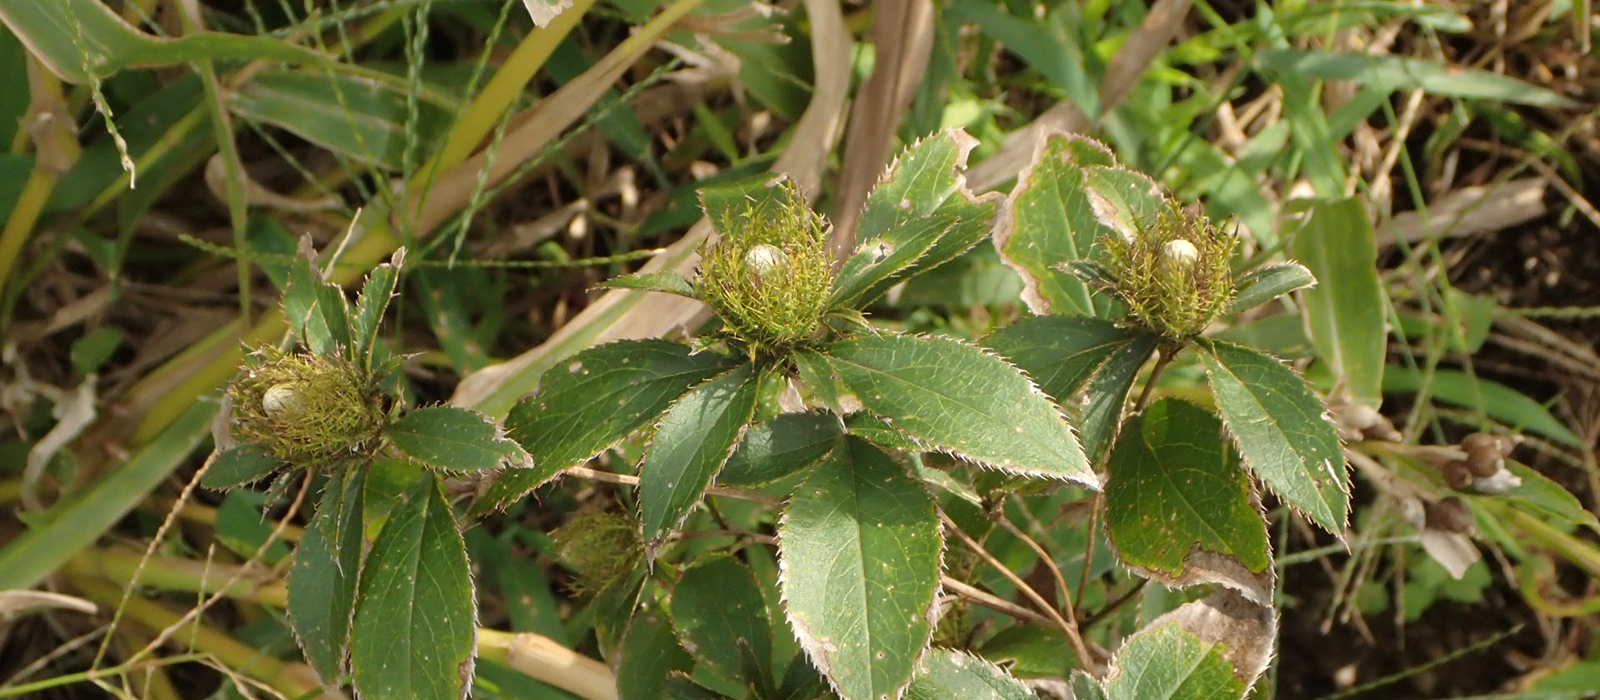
[(1448, 515), (1484, 452), (1457, 474)]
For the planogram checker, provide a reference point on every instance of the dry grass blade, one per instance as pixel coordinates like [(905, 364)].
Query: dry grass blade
[(903, 36), (1470, 210)]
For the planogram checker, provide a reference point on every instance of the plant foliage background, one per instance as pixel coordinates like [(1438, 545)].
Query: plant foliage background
[(705, 349)]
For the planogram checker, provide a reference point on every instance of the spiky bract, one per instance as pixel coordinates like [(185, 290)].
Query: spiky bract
[(308, 410), (1173, 274), (768, 276), (600, 546)]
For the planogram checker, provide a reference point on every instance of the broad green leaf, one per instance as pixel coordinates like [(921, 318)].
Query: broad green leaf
[(1107, 392), (83, 39), (1165, 662), (779, 448), (692, 442), (1400, 73), (353, 116), (1280, 428), (1492, 398), (301, 305), (333, 311), (649, 654), (665, 282), (1052, 222), (1060, 353), (957, 397), (722, 619), (860, 547), (1269, 282), (454, 438), (416, 619), (1178, 503), (372, 303), (591, 401), (322, 584), (1125, 200), (239, 466), (1030, 650), (923, 197), (945, 674), (1346, 312)]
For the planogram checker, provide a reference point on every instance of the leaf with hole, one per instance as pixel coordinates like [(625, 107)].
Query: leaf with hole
[(1178, 503), (1053, 221), (454, 438), (860, 550), (593, 400)]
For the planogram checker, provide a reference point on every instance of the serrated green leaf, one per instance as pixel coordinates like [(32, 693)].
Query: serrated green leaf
[(1108, 392), (372, 304), (300, 303), (957, 397), (1164, 662), (945, 674), (1268, 282), (923, 196), (1346, 313), (649, 654), (334, 312), (778, 448), (454, 438), (693, 441), (1176, 489), (416, 620), (1053, 222), (886, 256), (665, 282), (722, 619), (860, 547), (322, 584), (239, 466), (1060, 353), (1383, 71), (591, 401), (1279, 427)]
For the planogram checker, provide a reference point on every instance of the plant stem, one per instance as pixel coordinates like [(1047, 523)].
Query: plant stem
[(630, 480), (543, 659), (1166, 353), (1085, 660)]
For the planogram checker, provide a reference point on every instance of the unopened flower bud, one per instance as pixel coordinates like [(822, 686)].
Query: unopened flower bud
[(1178, 256), (1456, 474), (279, 398), (766, 262), (1449, 515)]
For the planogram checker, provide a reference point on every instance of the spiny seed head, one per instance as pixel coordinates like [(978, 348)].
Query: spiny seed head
[(768, 276), (1173, 273), (306, 409), (600, 546)]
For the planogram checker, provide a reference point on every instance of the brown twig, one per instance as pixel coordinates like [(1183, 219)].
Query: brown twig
[(630, 480)]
